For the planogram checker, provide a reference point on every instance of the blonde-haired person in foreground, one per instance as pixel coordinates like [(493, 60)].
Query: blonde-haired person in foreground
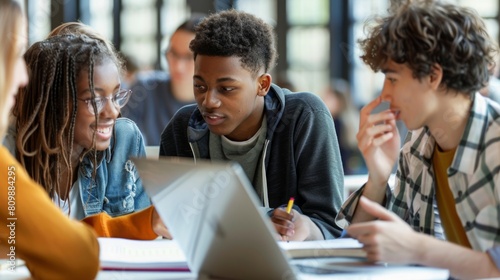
[(32, 228)]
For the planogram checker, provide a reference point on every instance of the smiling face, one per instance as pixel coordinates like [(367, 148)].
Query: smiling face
[(415, 100), (106, 84), (230, 97)]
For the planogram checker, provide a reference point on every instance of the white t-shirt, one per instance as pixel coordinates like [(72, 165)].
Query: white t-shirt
[(74, 201)]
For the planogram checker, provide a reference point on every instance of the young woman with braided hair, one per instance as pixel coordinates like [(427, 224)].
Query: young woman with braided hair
[(68, 136), (71, 141)]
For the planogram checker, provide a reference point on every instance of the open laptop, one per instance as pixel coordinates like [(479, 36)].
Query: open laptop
[(212, 211)]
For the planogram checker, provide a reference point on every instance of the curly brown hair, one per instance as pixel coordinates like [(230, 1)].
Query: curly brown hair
[(421, 34), (236, 33)]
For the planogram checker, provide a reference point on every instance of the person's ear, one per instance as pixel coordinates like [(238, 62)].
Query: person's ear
[(436, 76), (264, 81)]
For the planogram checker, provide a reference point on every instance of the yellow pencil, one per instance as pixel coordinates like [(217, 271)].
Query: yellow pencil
[(290, 205), (288, 210)]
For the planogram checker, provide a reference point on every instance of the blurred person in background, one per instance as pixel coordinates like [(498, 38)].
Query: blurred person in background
[(129, 78), (158, 95), (346, 119)]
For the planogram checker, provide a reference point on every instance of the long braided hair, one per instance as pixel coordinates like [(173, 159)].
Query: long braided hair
[(46, 108)]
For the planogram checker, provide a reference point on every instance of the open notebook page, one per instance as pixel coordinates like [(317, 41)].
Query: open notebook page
[(126, 254)]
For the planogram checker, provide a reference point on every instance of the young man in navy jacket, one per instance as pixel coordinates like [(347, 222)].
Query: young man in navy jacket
[(285, 142)]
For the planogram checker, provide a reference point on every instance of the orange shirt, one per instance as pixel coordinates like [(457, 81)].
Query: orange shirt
[(53, 246), (136, 225), (452, 226)]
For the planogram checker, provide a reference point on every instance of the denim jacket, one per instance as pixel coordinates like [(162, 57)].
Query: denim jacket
[(117, 188)]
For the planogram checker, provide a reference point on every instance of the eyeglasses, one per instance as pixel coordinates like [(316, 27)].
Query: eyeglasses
[(119, 100), (173, 55)]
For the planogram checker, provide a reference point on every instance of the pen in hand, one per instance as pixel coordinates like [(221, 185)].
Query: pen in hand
[(288, 210)]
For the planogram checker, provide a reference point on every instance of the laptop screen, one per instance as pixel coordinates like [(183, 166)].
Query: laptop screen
[(213, 212)]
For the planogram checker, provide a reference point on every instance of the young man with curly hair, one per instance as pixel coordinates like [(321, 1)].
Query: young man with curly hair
[(446, 200), (285, 142)]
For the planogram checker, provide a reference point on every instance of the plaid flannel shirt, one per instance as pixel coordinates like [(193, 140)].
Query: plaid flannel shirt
[(474, 179)]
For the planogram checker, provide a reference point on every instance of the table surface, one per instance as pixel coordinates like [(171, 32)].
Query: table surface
[(390, 272)]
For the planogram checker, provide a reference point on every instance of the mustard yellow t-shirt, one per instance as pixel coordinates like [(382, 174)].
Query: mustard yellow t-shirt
[(35, 230), (452, 226)]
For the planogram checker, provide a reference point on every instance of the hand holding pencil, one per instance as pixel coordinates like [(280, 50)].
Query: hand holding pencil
[(284, 219)]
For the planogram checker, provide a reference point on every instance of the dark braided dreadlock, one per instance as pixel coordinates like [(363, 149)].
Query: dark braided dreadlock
[(46, 108)]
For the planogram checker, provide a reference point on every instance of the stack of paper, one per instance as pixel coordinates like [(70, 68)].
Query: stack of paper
[(154, 255), (342, 247)]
